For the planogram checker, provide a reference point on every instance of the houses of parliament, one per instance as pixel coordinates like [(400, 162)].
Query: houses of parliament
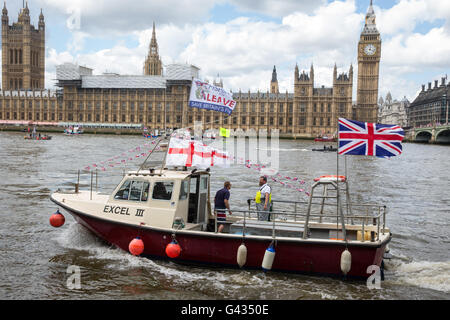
[(158, 99)]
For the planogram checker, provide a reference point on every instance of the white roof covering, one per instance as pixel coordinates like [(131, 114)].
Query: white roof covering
[(115, 81), (181, 72), (70, 71)]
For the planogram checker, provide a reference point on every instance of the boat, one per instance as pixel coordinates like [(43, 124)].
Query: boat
[(73, 131), (162, 207), (325, 149), (38, 137)]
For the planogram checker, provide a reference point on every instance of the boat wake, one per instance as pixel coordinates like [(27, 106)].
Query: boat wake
[(424, 274)]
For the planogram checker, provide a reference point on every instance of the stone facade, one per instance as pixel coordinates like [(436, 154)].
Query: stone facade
[(431, 106), (393, 111), (153, 63), (23, 52), (369, 54), (159, 98), (31, 106)]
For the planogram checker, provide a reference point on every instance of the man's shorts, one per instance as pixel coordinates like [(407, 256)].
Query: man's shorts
[(221, 215)]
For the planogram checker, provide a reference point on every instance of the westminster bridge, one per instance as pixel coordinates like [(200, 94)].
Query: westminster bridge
[(432, 134)]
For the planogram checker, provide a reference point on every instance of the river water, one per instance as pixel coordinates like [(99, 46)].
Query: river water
[(34, 257)]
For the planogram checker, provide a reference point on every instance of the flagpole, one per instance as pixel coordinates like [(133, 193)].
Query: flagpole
[(337, 184)]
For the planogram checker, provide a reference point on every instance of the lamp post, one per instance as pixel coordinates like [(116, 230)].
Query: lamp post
[(446, 104)]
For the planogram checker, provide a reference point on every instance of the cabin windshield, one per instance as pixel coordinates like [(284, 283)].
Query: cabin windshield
[(133, 190)]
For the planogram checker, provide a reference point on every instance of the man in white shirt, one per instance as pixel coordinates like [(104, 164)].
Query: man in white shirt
[(263, 199)]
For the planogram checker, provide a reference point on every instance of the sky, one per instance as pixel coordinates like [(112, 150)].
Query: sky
[(241, 40)]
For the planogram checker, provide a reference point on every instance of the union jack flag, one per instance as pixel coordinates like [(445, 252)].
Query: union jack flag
[(369, 139)]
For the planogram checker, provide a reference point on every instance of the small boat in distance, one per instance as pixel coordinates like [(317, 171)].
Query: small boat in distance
[(73, 130), (150, 134), (37, 136), (325, 149)]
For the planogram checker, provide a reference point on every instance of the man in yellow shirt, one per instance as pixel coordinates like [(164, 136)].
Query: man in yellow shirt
[(263, 199)]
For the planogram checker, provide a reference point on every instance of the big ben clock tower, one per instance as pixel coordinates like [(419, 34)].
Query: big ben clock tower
[(369, 53)]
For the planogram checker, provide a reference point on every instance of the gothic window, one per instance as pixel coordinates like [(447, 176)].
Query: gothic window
[(315, 107), (243, 120), (262, 120)]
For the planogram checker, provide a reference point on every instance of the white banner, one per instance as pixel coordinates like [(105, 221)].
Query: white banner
[(206, 96)]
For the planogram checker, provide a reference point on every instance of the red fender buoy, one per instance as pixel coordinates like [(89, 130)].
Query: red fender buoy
[(173, 249), (136, 246), (57, 219)]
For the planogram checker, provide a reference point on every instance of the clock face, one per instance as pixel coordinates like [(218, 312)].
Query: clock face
[(370, 49)]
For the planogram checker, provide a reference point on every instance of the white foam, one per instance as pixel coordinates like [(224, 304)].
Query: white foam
[(424, 274)]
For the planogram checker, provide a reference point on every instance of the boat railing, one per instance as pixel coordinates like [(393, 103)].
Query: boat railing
[(368, 218), (352, 210)]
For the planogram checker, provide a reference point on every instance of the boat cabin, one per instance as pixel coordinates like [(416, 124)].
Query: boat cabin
[(167, 197)]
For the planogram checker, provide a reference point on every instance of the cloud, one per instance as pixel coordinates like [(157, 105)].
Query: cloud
[(108, 17), (277, 8)]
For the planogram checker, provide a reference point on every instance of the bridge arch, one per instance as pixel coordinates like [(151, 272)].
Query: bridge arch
[(443, 136), (423, 136)]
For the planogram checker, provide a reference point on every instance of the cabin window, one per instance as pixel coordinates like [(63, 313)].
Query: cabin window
[(184, 191), (163, 190), (133, 191), (124, 191)]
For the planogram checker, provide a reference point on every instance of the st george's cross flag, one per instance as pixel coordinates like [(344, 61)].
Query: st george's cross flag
[(370, 139), (195, 154)]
